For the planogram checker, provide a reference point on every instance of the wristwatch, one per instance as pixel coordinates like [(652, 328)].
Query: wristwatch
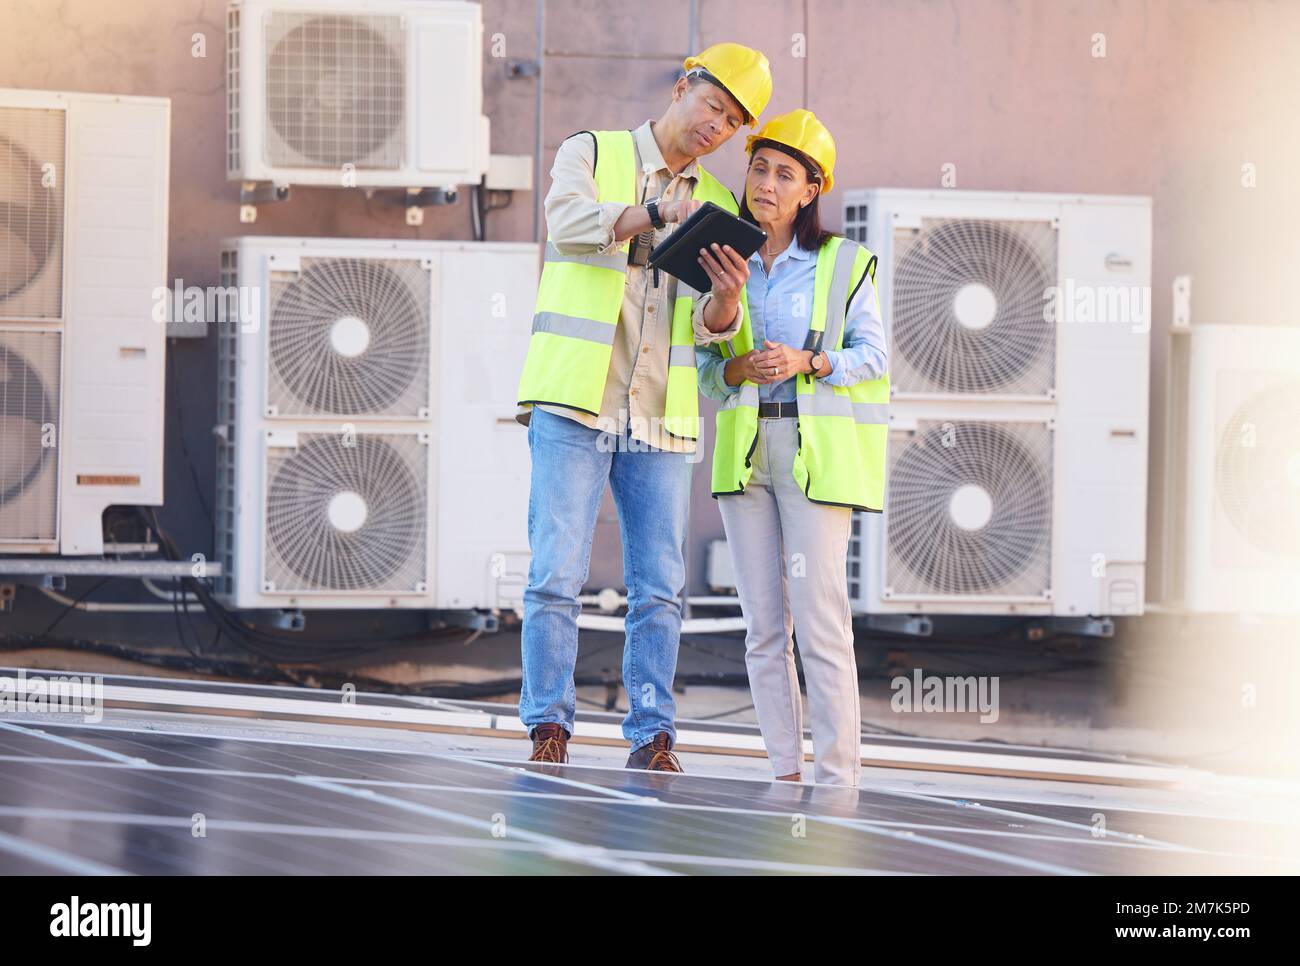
[(652, 206), (815, 360)]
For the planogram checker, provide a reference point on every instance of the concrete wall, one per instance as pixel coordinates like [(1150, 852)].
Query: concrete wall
[(1009, 91)]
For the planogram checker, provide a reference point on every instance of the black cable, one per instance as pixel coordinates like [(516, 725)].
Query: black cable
[(71, 605), (178, 594), (263, 643)]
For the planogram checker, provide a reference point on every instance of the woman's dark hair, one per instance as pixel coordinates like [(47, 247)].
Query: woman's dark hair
[(808, 228)]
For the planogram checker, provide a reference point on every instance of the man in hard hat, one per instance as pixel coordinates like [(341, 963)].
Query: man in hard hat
[(609, 396)]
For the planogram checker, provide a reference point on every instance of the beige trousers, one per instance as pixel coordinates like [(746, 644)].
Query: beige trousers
[(789, 555)]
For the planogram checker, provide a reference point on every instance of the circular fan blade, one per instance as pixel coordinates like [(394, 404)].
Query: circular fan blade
[(1258, 469), (335, 91), (970, 517), (347, 517), (351, 337), (26, 409), (967, 307), (31, 219)]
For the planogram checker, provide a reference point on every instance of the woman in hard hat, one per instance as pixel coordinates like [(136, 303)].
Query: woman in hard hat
[(790, 463)]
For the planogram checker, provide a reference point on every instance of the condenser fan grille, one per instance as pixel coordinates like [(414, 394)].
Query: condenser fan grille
[(1257, 469), (350, 337), (970, 510), (31, 213), (967, 307), (335, 90), (29, 427), (347, 514)]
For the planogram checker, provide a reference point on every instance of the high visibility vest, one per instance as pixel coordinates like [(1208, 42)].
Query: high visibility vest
[(843, 430), (580, 297)]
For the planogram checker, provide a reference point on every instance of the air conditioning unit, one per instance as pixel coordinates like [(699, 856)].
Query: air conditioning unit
[(367, 93), (1018, 328), (1234, 526), (368, 454), (83, 258)]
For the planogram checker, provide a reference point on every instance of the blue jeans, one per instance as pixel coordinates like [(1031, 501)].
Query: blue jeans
[(571, 465)]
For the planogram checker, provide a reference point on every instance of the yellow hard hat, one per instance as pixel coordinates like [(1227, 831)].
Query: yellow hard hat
[(743, 71), (801, 130)]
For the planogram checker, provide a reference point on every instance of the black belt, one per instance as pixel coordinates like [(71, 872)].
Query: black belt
[(777, 410)]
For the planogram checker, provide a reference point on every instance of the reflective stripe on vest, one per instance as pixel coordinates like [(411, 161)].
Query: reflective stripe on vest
[(580, 299), (843, 430)]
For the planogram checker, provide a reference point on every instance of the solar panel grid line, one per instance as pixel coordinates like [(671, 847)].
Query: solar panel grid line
[(275, 797), (366, 782), (560, 779), (72, 743), (1109, 833), (310, 831), (751, 865), (439, 840), (768, 834), (1034, 865), (595, 856), (1029, 816), (1101, 842), (512, 771), (866, 764), (137, 792), (1181, 778), (54, 858), (495, 769), (512, 793), (186, 823), (299, 856), (528, 788), (625, 805), (277, 828), (913, 795), (1085, 828), (543, 795), (1145, 840), (516, 764)]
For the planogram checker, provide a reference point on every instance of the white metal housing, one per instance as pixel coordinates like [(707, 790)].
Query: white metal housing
[(431, 510), (1234, 418), (83, 245), (363, 93), (1044, 510)]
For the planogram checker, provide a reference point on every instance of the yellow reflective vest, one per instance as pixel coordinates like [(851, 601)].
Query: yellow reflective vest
[(579, 298), (843, 430)]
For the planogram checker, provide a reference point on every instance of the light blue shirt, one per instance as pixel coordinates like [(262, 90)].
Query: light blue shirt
[(780, 308)]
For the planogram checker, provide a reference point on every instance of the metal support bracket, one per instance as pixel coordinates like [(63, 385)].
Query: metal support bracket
[(254, 193), (914, 625), (417, 199)]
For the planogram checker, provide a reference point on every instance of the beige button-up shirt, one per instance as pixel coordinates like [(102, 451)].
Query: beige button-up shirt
[(578, 224)]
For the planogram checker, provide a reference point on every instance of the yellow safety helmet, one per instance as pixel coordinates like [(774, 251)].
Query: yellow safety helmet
[(801, 130), (742, 71)]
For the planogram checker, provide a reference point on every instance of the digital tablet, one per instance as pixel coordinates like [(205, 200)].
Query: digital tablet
[(679, 253)]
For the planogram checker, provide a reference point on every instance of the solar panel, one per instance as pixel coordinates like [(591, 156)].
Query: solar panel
[(159, 793)]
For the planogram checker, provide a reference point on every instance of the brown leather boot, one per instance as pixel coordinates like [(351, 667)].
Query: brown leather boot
[(655, 756), (550, 743)]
